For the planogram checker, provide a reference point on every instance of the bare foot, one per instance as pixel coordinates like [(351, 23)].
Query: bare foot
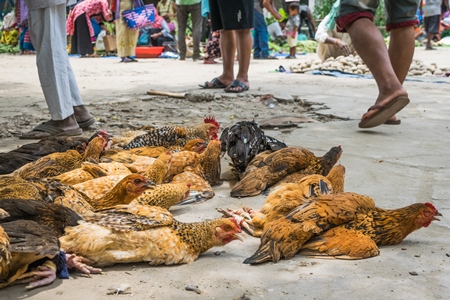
[(81, 113), (209, 61)]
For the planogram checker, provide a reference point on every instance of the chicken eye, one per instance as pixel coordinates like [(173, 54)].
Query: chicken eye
[(227, 227), (137, 181)]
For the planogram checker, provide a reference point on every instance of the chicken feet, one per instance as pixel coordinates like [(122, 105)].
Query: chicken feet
[(242, 216), (80, 263), (37, 277)]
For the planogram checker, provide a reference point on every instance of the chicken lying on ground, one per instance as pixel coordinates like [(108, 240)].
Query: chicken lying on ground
[(243, 141), (277, 165), (144, 233), (57, 163), (89, 170), (346, 226), (207, 165), (31, 232), (176, 136), (125, 191), (97, 187), (14, 159), (279, 202)]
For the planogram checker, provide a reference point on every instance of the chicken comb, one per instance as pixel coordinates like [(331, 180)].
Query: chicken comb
[(430, 205), (189, 185), (212, 120)]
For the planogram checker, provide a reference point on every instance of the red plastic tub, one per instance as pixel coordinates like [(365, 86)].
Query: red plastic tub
[(148, 52)]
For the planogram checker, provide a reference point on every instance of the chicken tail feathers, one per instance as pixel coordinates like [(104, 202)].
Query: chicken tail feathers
[(264, 254)]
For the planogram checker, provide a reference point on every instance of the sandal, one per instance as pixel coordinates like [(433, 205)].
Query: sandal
[(234, 84), (46, 130), (213, 84), (383, 112)]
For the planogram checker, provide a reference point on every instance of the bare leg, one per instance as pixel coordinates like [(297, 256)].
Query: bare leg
[(228, 49), (429, 38), (81, 113), (401, 52), (244, 44), (369, 44)]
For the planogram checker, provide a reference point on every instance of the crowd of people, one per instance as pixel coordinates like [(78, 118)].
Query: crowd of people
[(348, 28)]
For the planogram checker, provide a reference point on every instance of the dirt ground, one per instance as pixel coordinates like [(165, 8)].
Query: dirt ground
[(396, 165)]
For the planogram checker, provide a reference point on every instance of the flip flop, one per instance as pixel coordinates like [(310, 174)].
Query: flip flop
[(236, 83), (87, 123), (46, 130), (394, 122), (384, 112), (216, 84)]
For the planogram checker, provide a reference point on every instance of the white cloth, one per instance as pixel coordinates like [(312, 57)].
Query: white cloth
[(432, 8), (275, 30), (325, 51), (48, 33)]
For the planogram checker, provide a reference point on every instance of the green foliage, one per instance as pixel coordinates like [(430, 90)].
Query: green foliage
[(322, 8), (9, 49)]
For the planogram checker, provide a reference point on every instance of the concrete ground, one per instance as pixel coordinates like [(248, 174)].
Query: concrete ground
[(396, 165)]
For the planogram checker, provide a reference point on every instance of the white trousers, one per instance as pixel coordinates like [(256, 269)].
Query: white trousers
[(48, 33)]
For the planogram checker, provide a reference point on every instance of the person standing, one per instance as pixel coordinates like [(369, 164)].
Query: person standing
[(126, 38), (260, 34), (234, 19), (47, 26), (79, 25), (291, 28), (389, 67), (431, 10), (168, 8), (186, 8)]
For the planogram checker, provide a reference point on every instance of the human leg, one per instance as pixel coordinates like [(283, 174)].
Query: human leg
[(182, 18), (392, 96), (47, 27), (197, 20), (244, 49)]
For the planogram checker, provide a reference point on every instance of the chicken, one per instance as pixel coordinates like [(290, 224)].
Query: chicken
[(210, 163), (57, 163), (243, 141), (361, 237), (176, 136), (33, 229), (12, 160), (348, 230), (200, 188), (279, 202), (164, 195), (128, 189), (89, 171), (285, 236), (275, 166), (158, 170), (128, 234), (16, 187), (337, 178), (207, 164)]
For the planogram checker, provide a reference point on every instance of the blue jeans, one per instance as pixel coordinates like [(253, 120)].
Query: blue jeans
[(260, 36)]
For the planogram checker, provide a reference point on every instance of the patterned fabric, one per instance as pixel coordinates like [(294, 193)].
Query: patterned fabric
[(139, 17), (213, 46), (90, 7)]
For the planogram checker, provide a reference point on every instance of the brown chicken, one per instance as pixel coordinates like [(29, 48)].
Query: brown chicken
[(33, 229), (145, 234), (200, 188), (279, 202), (57, 163), (361, 237), (346, 225), (89, 171), (12, 160), (16, 187), (164, 195), (158, 170), (281, 163), (176, 136)]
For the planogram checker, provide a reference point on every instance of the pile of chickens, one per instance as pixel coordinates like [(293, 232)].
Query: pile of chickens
[(106, 200)]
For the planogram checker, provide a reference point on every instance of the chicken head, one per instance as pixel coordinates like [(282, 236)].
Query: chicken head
[(227, 231), (428, 215)]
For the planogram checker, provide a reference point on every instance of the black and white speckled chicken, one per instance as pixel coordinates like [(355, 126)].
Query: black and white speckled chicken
[(168, 136), (243, 141)]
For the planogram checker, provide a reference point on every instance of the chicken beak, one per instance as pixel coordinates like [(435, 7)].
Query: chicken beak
[(149, 184), (438, 214), (238, 237)]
